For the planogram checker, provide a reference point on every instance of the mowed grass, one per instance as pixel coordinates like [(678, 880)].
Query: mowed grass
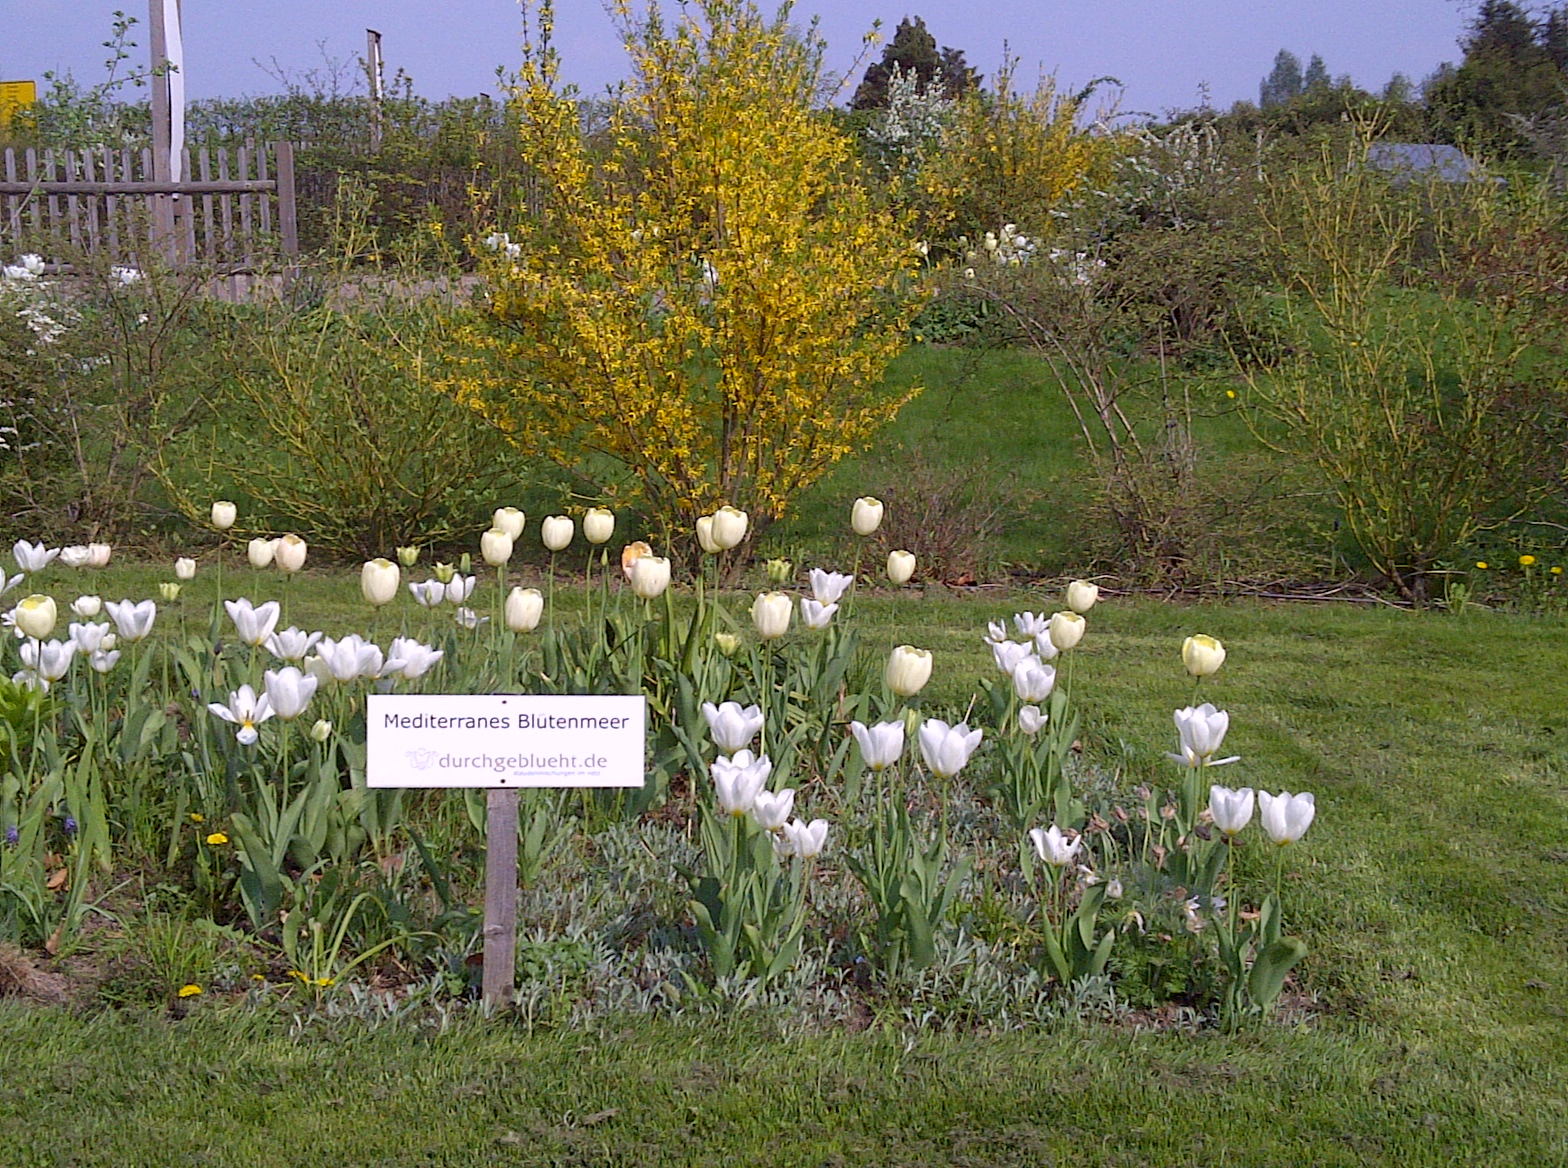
[(1427, 1025)]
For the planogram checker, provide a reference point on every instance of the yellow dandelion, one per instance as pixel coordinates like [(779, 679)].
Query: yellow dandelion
[(1231, 393), (217, 839), (1557, 571), (198, 817), (1481, 564), (189, 991), (1526, 561), (297, 974)]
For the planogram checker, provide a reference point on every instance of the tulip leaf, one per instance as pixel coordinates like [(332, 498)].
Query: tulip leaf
[(1269, 970)]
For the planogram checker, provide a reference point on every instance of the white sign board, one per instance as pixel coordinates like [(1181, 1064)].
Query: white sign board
[(504, 740)]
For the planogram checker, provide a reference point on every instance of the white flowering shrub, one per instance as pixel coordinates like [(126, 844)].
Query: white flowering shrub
[(903, 134)]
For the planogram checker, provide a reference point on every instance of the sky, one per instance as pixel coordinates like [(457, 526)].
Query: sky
[(1169, 54)]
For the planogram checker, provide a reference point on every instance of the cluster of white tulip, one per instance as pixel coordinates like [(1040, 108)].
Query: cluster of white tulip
[(32, 558), (285, 552), (723, 530), (740, 781), (1026, 662), (47, 661)]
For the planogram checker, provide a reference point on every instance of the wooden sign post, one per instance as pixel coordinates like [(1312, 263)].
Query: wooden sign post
[(503, 743)]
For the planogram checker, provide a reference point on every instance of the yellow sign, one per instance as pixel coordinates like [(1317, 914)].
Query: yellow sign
[(15, 95)]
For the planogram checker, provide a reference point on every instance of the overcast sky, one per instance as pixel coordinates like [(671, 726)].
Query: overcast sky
[(1167, 52)]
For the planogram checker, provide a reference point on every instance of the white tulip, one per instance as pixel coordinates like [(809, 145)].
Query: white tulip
[(900, 567), (1286, 817), (908, 670), (495, 546), (510, 520), (75, 556), (1202, 655), (289, 691), (1230, 810), (598, 525), (223, 514), (829, 587), (260, 552), (49, 660), (1066, 630), (556, 531), (649, 576), (1031, 625), (32, 558), (1081, 596), (1030, 719), (705, 536), (378, 581), (133, 621), (1008, 654), (417, 658), (806, 840), (1202, 731), (246, 711), (738, 780), (947, 749), (1033, 680), (428, 593), (185, 568), (881, 745), (770, 613), (291, 644), (729, 527), (815, 615), (524, 607), (866, 515), (1053, 847), (346, 659), (89, 637), (289, 553), (98, 555), (254, 624), (87, 606), (772, 811), (731, 727), (35, 615)]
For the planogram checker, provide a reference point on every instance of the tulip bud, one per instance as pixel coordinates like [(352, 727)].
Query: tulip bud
[(524, 606), (1066, 630), (866, 516), (900, 567), (908, 670), (444, 572), (321, 731), (509, 520), (223, 515), (780, 571), (705, 536), (556, 531), (496, 547), (650, 576), (1081, 596), (169, 590), (631, 553), (290, 553), (598, 525), (261, 552), (729, 527), (1202, 655), (185, 568), (770, 612), (378, 580), (465, 564), (727, 643), (35, 616), (408, 556)]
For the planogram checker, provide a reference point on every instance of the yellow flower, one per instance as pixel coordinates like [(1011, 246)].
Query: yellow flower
[(189, 991), (217, 839), (1481, 564), (198, 817), (1230, 393), (1557, 571), (1526, 561)]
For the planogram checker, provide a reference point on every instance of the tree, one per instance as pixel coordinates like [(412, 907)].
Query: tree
[(1284, 83), (702, 308), (913, 50), (1512, 72), (1316, 76)]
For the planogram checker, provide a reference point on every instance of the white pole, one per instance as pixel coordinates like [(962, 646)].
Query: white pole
[(174, 47)]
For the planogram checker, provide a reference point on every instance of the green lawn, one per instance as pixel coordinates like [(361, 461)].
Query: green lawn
[(1426, 1025)]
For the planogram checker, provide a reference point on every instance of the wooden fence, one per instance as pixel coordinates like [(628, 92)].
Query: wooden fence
[(234, 213)]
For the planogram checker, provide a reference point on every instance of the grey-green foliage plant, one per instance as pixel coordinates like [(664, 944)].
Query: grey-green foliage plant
[(332, 421), (1413, 396)]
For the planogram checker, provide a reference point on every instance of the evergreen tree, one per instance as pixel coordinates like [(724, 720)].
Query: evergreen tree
[(913, 50), (1284, 83), (1316, 76)]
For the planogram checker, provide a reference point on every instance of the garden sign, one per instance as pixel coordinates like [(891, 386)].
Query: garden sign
[(503, 743)]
